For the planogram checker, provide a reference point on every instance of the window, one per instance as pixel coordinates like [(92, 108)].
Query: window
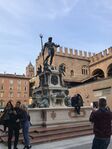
[(71, 73), (25, 94), (19, 82), (11, 87), (19, 85), (18, 94), (11, 82), (84, 70), (26, 83), (1, 94), (2, 80), (11, 94), (25, 88), (1, 103), (2, 87), (19, 88)]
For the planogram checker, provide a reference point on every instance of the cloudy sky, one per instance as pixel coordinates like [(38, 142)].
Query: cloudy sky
[(79, 24)]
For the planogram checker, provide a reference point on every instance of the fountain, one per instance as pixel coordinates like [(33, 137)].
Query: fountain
[(51, 97)]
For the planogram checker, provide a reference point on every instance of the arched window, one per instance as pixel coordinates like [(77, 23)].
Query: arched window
[(71, 73), (84, 70), (1, 103)]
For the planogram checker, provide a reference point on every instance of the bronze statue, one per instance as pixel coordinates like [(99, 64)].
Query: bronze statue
[(50, 46), (39, 70)]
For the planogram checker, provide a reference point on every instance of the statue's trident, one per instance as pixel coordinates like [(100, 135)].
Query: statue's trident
[(41, 36)]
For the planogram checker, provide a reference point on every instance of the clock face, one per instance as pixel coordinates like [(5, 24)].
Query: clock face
[(54, 79)]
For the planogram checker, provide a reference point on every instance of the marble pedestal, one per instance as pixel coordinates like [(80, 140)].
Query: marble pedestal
[(58, 116)]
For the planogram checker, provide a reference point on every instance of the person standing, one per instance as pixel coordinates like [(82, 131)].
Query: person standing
[(101, 120), (11, 123), (50, 46), (5, 116), (25, 122), (17, 123)]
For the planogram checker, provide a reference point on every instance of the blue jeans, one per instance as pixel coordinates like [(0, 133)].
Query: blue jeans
[(25, 128), (100, 143)]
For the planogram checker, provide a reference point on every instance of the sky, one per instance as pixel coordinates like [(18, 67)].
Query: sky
[(79, 24)]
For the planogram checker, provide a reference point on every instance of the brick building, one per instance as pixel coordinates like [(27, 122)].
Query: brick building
[(14, 87), (86, 73)]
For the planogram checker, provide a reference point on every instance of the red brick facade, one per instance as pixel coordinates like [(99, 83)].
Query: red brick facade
[(14, 87)]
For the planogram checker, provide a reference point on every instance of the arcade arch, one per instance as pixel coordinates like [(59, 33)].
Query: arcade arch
[(99, 73), (109, 71)]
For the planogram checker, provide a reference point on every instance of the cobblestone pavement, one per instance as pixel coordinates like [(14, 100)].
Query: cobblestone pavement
[(74, 143)]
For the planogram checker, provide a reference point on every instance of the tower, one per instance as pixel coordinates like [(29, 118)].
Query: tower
[(30, 70)]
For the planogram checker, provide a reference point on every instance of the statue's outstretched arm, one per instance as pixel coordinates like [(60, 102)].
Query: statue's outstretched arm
[(56, 45)]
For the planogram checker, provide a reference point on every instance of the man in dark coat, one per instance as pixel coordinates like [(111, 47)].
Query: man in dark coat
[(101, 119), (77, 102)]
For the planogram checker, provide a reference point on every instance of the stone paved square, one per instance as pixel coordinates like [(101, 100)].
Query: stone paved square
[(75, 143)]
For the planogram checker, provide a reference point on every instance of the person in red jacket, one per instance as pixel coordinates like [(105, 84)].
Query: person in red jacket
[(101, 120)]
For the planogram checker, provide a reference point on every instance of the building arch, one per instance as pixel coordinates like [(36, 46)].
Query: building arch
[(99, 73), (109, 71)]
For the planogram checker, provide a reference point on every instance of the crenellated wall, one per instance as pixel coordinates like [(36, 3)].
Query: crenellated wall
[(107, 53), (82, 54), (73, 52), (74, 60), (101, 61), (69, 52)]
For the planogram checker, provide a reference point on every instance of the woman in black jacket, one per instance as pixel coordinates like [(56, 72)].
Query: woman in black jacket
[(12, 117)]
